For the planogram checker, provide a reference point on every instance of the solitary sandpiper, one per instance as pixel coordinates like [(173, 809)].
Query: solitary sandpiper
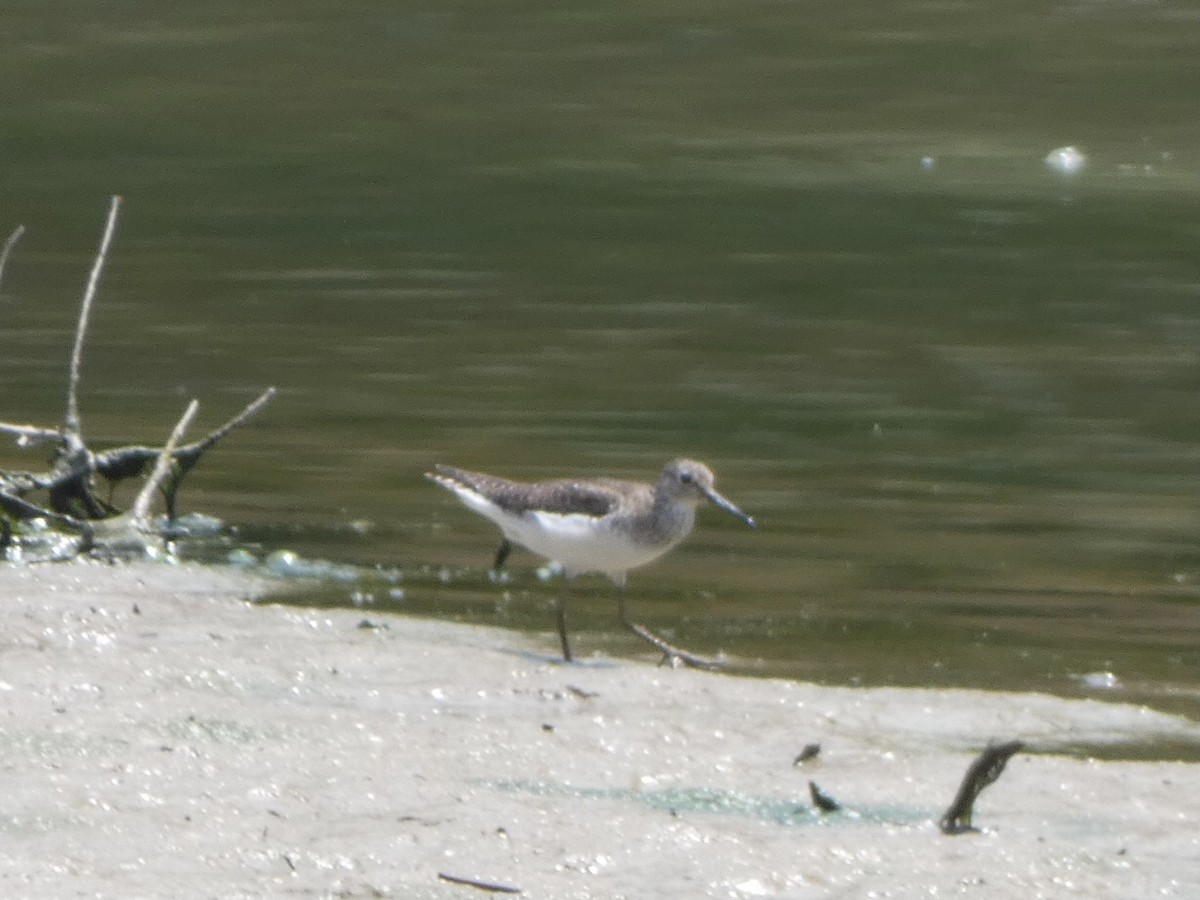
[(594, 525)]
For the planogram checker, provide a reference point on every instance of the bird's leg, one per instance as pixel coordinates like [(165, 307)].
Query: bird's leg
[(672, 655), (560, 613), (502, 552)]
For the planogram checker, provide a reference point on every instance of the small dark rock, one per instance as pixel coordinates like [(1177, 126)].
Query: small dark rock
[(821, 800), (810, 751)]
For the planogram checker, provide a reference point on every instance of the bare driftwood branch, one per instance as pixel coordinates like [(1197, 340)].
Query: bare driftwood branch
[(252, 409), (69, 485), (23, 509), (130, 530), (71, 425), (30, 435), (985, 769), (126, 462), (187, 457), (8, 247)]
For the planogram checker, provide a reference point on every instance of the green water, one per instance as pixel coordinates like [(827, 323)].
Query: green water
[(562, 238)]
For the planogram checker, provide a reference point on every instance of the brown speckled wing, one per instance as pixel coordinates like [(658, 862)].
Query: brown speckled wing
[(562, 497)]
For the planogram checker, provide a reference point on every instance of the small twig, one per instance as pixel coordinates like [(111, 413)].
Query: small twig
[(672, 655), (71, 423), (30, 435), (983, 771), (8, 247), (217, 434), (124, 462), (481, 885)]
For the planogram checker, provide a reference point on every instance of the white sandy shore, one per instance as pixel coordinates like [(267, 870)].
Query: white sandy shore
[(162, 738)]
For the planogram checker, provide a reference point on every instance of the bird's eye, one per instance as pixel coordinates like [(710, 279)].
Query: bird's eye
[(686, 477)]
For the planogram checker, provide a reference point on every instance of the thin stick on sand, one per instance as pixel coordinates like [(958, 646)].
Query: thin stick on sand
[(480, 885)]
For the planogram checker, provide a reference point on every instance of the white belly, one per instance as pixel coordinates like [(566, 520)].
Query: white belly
[(580, 544)]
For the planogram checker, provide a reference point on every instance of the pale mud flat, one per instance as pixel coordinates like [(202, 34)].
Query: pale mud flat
[(164, 738)]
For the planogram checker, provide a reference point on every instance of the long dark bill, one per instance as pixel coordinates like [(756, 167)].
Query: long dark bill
[(721, 503)]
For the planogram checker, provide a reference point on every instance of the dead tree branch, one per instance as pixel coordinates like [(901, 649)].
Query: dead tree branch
[(71, 427), (71, 501), (23, 509), (130, 529), (30, 435), (127, 462)]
